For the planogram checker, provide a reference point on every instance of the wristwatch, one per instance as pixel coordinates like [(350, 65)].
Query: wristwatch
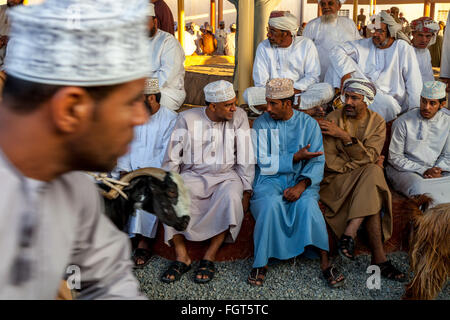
[(348, 144)]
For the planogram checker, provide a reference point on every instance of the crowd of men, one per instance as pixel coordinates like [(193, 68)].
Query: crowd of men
[(322, 101)]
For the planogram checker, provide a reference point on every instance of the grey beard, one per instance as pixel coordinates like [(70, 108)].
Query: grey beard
[(329, 18), (385, 42)]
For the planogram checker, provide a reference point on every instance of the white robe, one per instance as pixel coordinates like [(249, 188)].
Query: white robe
[(326, 35), (4, 31), (230, 44), (298, 62), (216, 162), (189, 44), (70, 230), (221, 36), (167, 58), (445, 58), (394, 71), (424, 60), (418, 144), (147, 150)]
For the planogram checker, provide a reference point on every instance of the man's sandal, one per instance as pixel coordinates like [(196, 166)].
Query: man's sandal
[(141, 254), (346, 243), (389, 271), (332, 274), (205, 268), (176, 269), (257, 276)]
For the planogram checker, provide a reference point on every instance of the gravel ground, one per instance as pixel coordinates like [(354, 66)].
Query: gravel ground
[(294, 279)]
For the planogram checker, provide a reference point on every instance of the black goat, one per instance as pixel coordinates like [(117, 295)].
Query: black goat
[(154, 190)]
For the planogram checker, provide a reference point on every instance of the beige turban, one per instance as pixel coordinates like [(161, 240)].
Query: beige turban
[(151, 86), (284, 20), (279, 89), (395, 29)]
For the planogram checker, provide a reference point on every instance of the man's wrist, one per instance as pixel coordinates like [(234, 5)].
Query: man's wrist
[(347, 139)]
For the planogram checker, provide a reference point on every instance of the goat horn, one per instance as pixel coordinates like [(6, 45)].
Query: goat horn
[(153, 172)]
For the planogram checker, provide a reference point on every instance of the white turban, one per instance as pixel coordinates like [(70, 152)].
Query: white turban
[(360, 86), (284, 20), (219, 91), (255, 96), (88, 43), (395, 29), (316, 95), (151, 10)]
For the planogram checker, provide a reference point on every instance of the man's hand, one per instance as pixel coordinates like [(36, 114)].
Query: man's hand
[(293, 193), (380, 161), (331, 129), (304, 154), (246, 200), (434, 172)]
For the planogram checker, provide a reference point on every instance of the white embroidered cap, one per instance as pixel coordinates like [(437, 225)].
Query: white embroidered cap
[(151, 10), (255, 96), (151, 86), (316, 95), (219, 91), (81, 43), (279, 88), (433, 90)]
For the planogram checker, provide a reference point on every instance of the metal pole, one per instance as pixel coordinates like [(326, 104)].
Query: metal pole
[(245, 46), (212, 16), (181, 22), (220, 9), (355, 11)]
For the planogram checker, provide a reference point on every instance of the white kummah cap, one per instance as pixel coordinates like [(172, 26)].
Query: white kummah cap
[(279, 88), (316, 95), (255, 96), (151, 86), (219, 91), (80, 43), (151, 10), (433, 90), (284, 20)]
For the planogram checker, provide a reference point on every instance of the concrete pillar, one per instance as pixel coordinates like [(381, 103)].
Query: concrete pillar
[(212, 16), (319, 10), (371, 11), (355, 11), (245, 44), (220, 10), (181, 22), (374, 6), (426, 8), (432, 10)]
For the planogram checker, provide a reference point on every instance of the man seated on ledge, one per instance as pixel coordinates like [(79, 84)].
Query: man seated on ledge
[(211, 148), (289, 169), (354, 189), (419, 152)]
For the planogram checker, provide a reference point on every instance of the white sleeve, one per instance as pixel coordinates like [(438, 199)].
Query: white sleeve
[(397, 156), (344, 58), (312, 67), (445, 58), (260, 68), (103, 253)]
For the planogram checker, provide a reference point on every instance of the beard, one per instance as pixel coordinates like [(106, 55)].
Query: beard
[(329, 18), (152, 32), (350, 111)]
